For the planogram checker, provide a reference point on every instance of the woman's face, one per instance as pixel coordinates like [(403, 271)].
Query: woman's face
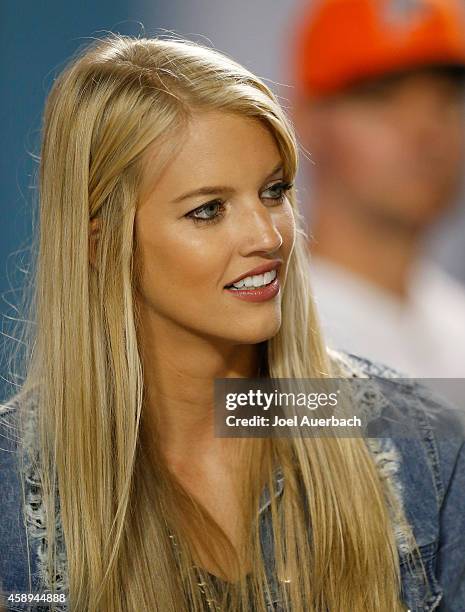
[(217, 211)]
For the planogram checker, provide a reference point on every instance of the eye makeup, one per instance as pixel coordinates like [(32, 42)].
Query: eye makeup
[(282, 187)]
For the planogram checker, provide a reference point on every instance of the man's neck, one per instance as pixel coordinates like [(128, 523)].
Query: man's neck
[(380, 255)]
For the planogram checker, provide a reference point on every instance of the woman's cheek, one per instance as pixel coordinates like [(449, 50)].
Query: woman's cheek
[(287, 228), (197, 257)]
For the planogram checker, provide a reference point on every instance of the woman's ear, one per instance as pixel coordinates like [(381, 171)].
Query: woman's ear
[(94, 235)]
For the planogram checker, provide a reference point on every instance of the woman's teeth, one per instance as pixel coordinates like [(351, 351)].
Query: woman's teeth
[(254, 282)]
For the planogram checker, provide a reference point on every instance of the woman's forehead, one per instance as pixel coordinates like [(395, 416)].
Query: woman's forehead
[(218, 146)]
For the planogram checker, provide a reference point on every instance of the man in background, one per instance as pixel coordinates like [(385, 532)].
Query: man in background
[(380, 109)]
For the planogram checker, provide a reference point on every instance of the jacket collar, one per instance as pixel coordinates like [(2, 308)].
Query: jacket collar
[(265, 499)]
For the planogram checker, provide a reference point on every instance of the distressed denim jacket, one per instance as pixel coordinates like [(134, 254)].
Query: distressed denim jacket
[(426, 472)]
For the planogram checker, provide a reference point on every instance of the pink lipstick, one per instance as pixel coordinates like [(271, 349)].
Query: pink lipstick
[(258, 284), (260, 294)]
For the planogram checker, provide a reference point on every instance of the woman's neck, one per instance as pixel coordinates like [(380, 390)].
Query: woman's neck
[(179, 370)]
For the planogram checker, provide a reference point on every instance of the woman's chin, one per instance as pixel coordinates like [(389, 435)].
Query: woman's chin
[(257, 331)]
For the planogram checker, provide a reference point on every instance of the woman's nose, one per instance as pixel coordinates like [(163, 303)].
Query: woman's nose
[(259, 231)]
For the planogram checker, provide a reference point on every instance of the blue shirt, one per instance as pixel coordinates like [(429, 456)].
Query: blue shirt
[(427, 472)]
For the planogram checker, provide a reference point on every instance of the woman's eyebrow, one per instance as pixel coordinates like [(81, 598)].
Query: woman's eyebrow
[(220, 188)]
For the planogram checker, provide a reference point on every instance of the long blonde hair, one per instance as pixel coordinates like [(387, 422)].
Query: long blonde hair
[(115, 494)]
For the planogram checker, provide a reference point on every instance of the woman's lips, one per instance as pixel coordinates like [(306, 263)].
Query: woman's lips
[(261, 294), (267, 267)]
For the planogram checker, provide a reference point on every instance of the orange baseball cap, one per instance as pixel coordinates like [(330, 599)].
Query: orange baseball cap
[(340, 42)]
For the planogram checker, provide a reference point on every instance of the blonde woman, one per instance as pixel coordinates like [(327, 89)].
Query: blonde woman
[(167, 176)]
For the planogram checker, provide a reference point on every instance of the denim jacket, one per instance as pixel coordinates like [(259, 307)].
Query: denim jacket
[(426, 472)]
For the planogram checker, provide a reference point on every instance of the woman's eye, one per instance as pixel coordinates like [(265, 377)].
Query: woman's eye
[(213, 211), (209, 212), (277, 191)]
